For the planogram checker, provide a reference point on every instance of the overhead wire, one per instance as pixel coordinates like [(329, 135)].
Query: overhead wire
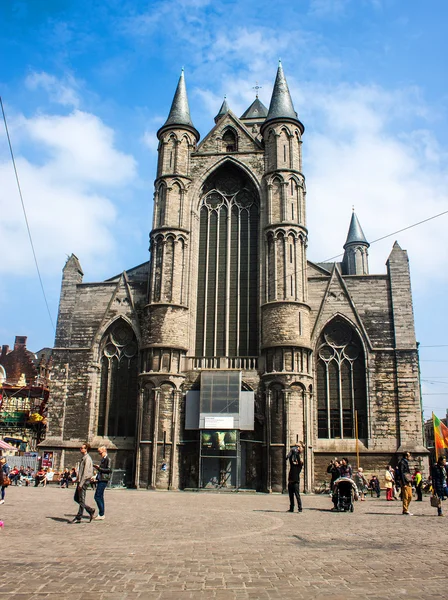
[(25, 215)]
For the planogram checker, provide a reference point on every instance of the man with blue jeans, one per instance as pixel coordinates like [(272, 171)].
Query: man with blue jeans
[(103, 477)]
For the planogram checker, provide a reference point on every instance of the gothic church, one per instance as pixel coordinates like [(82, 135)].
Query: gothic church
[(202, 366)]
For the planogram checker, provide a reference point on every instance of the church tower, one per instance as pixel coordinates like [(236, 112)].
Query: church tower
[(285, 342)]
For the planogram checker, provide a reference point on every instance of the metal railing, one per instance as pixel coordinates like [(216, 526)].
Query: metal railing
[(245, 363)]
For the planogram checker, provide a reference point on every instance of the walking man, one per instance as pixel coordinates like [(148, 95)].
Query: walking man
[(103, 477), (295, 468), (406, 482), (85, 474)]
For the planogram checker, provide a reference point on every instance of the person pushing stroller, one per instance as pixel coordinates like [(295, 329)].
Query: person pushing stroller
[(345, 492)]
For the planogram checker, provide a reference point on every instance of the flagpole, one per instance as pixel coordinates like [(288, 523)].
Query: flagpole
[(356, 436)]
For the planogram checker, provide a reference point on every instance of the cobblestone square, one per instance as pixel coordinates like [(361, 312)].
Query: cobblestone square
[(179, 545)]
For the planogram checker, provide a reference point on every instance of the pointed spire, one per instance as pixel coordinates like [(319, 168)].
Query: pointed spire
[(355, 233), (356, 259), (281, 105), (180, 111), (222, 111)]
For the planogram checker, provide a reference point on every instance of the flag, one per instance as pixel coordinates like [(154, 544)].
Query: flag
[(440, 436)]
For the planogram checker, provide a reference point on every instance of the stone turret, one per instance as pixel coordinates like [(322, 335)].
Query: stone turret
[(178, 138), (285, 343), (167, 313), (355, 261)]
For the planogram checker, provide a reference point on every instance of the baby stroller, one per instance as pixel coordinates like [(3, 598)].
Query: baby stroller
[(346, 492)]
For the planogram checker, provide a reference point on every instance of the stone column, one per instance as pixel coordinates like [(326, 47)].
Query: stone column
[(157, 392)]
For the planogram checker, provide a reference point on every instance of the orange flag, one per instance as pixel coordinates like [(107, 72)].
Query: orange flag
[(440, 435)]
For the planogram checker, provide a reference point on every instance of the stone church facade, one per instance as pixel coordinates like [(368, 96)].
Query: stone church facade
[(201, 367)]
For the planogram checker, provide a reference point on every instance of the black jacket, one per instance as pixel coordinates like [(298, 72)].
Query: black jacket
[(104, 469)]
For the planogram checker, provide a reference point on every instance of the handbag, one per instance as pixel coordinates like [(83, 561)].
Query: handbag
[(435, 501), (6, 481)]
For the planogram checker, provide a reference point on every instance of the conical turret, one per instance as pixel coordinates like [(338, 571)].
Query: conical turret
[(281, 106), (222, 111), (355, 259), (179, 116)]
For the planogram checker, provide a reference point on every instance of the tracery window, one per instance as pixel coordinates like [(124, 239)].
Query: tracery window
[(227, 304), (341, 382), (118, 388)]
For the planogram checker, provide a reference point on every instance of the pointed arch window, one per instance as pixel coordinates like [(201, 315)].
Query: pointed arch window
[(230, 141), (227, 301), (118, 388), (341, 382)]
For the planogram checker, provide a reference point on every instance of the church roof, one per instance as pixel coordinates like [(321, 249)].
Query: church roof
[(222, 111), (255, 111), (355, 232), (281, 105), (180, 110)]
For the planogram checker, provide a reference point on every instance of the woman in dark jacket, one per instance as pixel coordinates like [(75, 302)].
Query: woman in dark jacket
[(439, 482), (333, 468)]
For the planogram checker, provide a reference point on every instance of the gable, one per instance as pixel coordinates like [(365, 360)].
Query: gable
[(337, 301), (245, 141)]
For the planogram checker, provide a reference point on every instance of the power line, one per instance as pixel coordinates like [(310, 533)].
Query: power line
[(25, 215), (395, 232)]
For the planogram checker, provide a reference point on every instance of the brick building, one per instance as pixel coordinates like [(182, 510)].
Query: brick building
[(202, 366), (24, 393)]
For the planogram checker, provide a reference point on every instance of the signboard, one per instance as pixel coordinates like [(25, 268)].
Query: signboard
[(218, 423), (219, 440), (47, 459)]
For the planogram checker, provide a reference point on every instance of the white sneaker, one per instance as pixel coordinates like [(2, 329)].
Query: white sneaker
[(99, 518), (2, 501)]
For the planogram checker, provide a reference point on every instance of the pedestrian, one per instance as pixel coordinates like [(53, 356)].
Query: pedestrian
[(85, 474), (361, 483), (5, 478), (333, 469), (439, 482), (64, 480), (406, 482), (374, 486), (345, 468), (295, 468), (103, 477), (389, 485), (418, 484)]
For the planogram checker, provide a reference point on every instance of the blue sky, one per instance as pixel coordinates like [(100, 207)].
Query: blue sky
[(87, 83)]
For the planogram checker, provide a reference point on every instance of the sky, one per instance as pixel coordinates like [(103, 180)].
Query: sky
[(85, 85)]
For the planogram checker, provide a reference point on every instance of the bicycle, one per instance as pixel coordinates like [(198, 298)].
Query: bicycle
[(324, 488)]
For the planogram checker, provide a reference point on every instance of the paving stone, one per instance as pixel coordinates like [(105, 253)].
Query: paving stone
[(224, 546)]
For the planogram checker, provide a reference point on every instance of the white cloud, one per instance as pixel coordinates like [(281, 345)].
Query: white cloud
[(151, 141), (82, 149), (352, 158), (61, 92), (71, 175)]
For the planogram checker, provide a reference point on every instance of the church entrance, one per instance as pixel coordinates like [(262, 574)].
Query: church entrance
[(220, 459)]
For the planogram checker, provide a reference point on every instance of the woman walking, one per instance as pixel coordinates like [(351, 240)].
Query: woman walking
[(439, 482), (5, 478)]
